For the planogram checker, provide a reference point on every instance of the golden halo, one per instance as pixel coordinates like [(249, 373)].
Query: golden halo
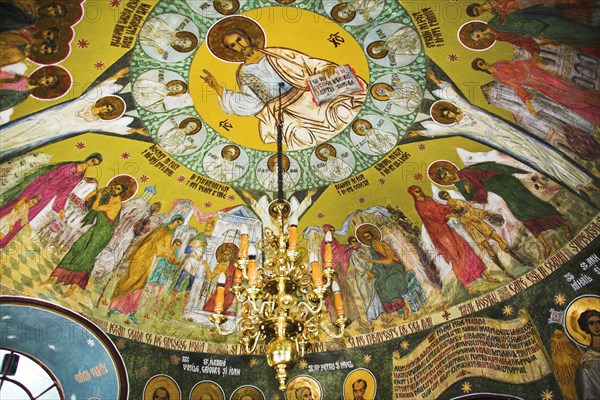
[(163, 381), (332, 151), (207, 387), (218, 5), (381, 54), (367, 124), (185, 35), (572, 313), (287, 208), (248, 390), (303, 381), (230, 146), (118, 107), (127, 180), (434, 112), (186, 121), (232, 247), (337, 17), (46, 93), (214, 37), (377, 96), (272, 163), (464, 36), (363, 228), (366, 376), (436, 166)]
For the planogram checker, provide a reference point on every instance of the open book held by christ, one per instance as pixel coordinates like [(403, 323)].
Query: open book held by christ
[(343, 81)]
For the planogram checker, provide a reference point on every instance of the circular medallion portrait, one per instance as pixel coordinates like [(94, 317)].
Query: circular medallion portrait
[(393, 45), (360, 384), (352, 12), (225, 163), (162, 387), (332, 162), (215, 8), (374, 134), (244, 80), (207, 390), (161, 90), (268, 176), (247, 392), (396, 94), (169, 37), (303, 387), (582, 319), (181, 134)]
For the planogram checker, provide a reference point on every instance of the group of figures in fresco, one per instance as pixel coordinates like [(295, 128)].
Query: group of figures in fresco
[(481, 224)]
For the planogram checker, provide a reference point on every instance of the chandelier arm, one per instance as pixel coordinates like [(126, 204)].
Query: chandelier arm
[(311, 310), (263, 305), (242, 296), (330, 332), (255, 341), (232, 330)]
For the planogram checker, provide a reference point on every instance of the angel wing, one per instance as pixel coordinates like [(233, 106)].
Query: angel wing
[(565, 360)]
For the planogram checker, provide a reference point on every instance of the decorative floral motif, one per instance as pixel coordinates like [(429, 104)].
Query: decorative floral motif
[(83, 43)]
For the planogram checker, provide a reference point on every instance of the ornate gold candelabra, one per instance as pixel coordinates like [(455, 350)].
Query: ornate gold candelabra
[(283, 300)]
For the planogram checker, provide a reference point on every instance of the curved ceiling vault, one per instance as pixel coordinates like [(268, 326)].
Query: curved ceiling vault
[(451, 151)]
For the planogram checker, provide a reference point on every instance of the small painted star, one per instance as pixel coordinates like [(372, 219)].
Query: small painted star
[(115, 3), (125, 155), (381, 181), (231, 197), (207, 204), (303, 364), (120, 344), (276, 397), (507, 310), (547, 395), (446, 315), (466, 387), (144, 372), (181, 179), (404, 345), (418, 176), (90, 342), (144, 178), (5, 317), (320, 215), (11, 337), (452, 57), (83, 43), (175, 360), (99, 65), (560, 299), (367, 358), (253, 362), (80, 145), (361, 200), (52, 347), (422, 146)]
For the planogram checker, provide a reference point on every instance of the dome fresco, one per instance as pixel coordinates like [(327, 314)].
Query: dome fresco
[(450, 150)]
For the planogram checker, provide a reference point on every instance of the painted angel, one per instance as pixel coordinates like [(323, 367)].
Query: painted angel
[(96, 110)]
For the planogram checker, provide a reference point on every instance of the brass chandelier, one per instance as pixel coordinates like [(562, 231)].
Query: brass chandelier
[(283, 300)]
